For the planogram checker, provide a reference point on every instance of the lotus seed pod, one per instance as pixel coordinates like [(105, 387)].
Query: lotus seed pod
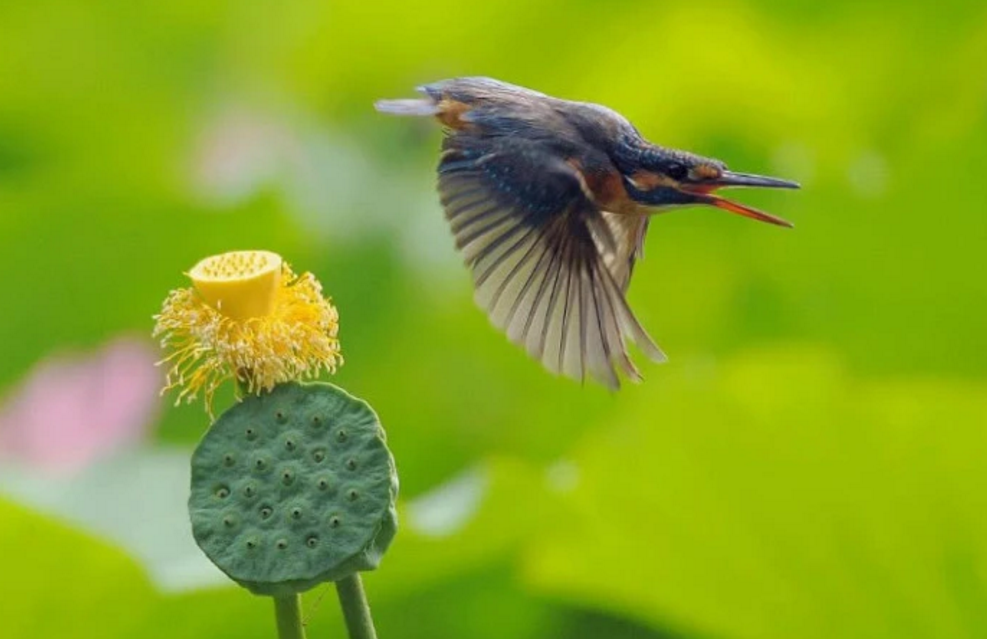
[(293, 488)]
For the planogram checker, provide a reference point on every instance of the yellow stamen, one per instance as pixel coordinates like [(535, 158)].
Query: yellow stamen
[(239, 284), (248, 318)]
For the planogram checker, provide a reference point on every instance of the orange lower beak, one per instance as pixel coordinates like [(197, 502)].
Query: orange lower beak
[(742, 209), (727, 179)]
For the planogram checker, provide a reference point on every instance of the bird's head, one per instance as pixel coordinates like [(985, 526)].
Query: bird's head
[(663, 177)]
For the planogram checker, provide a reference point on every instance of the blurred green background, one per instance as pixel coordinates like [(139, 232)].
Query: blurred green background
[(811, 461)]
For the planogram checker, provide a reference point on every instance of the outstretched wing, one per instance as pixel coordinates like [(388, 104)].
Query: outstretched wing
[(539, 250)]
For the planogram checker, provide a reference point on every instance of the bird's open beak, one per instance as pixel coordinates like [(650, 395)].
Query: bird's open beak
[(704, 194)]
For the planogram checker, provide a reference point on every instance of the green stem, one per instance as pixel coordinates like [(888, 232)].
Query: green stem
[(288, 612), (356, 611)]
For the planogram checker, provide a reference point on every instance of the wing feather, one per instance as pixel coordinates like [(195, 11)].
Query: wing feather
[(627, 233), (549, 267)]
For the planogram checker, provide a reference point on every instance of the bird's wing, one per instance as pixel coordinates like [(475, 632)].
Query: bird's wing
[(536, 244), (628, 233)]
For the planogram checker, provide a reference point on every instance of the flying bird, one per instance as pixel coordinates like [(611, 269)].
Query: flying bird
[(549, 201)]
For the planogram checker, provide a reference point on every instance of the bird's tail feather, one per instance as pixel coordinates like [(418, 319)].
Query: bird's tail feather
[(410, 106)]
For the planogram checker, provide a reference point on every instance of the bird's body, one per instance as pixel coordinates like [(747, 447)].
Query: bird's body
[(549, 202)]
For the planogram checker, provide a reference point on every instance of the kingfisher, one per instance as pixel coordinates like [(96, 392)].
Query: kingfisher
[(549, 202)]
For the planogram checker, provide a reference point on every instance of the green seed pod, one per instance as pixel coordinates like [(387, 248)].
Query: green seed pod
[(293, 488)]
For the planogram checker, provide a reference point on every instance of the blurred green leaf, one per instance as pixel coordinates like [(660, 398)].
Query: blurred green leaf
[(783, 498), (58, 577)]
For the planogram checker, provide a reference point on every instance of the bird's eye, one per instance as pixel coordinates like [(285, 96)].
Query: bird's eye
[(676, 171)]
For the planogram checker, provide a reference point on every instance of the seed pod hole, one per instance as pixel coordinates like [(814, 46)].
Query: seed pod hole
[(249, 490), (290, 444), (229, 521), (316, 421), (318, 455), (351, 464), (222, 492), (352, 495), (323, 483), (296, 513), (287, 476), (251, 544), (312, 541), (334, 521), (280, 416), (341, 435), (250, 433), (281, 544), (260, 463), (266, 512), (229, 459)]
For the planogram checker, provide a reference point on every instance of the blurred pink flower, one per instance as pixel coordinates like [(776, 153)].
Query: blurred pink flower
[(73, 409)]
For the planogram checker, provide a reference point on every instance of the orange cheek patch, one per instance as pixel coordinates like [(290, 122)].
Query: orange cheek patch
[(451, 112), (705, 172)]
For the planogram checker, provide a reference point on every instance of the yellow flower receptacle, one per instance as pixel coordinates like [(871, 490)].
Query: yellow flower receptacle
[(240, 284)]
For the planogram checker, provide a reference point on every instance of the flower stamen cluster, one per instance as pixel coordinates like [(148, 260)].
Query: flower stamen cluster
[(247, 317)]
